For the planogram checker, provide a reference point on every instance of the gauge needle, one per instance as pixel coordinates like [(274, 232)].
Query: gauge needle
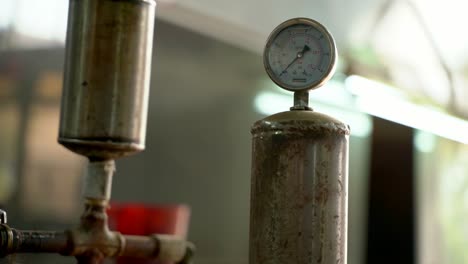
[(299, 55)]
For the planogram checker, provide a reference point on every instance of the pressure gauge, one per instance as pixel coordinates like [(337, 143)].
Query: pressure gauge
[(300, 55)]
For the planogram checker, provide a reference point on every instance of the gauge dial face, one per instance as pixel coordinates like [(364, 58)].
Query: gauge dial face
[(300, 54)]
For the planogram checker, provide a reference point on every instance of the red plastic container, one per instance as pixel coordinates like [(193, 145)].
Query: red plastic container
[(145, 219)]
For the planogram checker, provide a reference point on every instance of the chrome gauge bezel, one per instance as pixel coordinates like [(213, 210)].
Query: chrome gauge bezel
[(330, 42)]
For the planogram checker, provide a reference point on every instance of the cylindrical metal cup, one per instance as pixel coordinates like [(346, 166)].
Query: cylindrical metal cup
[(107, 74)]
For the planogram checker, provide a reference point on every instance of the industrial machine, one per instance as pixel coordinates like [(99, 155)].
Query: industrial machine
[(103, 117), (299, 157)]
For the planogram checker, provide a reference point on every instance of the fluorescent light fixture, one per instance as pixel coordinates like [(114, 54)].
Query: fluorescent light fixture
[(364, 87), (373, 99), (269, 103)]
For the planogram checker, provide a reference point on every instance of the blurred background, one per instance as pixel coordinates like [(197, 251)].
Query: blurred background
[(400, 84)]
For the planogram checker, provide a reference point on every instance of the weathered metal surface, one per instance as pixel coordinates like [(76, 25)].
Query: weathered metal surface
[(98, 180), (103, 117), (301, 101), (166, 248), (107, 74), (3, 217), (299, 189), (16, 241), (93, 238), (92, 241), (171, 248)]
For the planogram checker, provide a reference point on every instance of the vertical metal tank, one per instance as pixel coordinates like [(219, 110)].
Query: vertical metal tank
[(107, 74), (299, 191)]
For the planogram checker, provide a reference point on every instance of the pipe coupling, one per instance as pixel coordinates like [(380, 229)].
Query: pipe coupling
[(3, 217), (6, 240)]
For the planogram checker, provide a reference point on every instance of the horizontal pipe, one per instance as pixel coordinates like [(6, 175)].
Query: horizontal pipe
[(161, 247), (139, 246), (17, 241), (158, 247)]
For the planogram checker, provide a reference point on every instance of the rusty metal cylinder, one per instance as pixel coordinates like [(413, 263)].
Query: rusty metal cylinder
[(299, 189), (107, 75)]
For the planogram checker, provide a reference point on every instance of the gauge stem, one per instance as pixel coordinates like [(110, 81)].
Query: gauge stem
[(301, 101)]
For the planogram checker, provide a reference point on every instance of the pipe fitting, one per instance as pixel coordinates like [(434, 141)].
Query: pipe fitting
[(100, 244), (3, 217), (98, 180), (6, 240), (93, 237), (170, 248)]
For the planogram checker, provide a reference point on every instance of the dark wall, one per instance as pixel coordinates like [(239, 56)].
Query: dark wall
[(391, 219)]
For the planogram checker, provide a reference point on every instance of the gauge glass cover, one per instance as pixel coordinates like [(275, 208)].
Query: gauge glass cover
[(300, 54)]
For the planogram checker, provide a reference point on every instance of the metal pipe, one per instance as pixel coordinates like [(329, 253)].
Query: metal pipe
[(87, 249), (98, 180), (299, 189), (106, 77), (92, 241), (92, 238), (163, 247), (301, 101), (17, 241)]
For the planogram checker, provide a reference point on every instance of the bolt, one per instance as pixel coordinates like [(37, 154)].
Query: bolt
[(3, 217)]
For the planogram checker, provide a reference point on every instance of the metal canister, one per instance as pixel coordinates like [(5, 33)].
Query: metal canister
[(106, 79), (299, 189)]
